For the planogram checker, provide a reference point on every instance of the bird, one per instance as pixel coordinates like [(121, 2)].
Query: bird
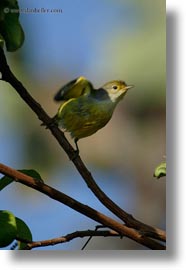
[(85, 110)]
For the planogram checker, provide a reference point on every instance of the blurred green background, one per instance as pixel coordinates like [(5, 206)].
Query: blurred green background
[(101, 40)]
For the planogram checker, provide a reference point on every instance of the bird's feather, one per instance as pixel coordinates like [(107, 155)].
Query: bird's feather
[(75, 88)]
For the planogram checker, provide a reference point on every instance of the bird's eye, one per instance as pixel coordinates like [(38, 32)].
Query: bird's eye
[(115, 87)]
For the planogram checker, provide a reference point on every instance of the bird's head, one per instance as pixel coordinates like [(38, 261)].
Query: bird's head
[(116, 90)]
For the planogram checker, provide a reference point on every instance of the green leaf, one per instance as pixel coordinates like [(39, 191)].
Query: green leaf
[(11, 228), (6, 180), (10, 27), (13, 33), (32, 173), (23, 232), (8, 228), (160, 170)]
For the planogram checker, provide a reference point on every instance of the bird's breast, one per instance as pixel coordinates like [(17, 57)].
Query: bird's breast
[(84, 116)]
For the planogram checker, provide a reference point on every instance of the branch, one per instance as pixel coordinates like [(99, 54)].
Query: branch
[(68, 238), (81, 208), (9, 77)]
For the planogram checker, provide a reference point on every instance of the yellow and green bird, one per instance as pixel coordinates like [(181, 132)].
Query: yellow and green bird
[(85, 110)]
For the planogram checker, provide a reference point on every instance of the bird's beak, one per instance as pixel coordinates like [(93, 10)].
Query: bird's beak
[(129, 86)]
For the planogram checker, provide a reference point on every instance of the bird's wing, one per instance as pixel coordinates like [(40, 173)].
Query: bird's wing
[(76, 88)]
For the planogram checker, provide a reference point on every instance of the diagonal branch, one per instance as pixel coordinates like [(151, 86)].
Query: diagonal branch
[(79, 207), (9, 77)]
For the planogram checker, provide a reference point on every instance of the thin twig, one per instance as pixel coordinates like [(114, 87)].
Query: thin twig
[(88, 240), (69, 237)]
